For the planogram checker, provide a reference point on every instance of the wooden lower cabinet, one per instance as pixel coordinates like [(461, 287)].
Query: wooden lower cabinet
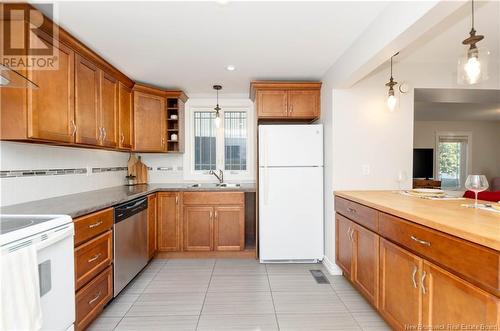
[(169, 221), (229, 228), (400, 300), (198, 228), (92, 298), (365, 272), (152, 226), (358, 257), (343, 244), (449, 300)]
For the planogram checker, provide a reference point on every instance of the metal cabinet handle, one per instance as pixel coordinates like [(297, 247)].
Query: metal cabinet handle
[(95, 257), (176, 199), (422, 242), (216, 214), (163, 141), (104, 133), (100, 134), (73, 127), (91, 226), (95, 298), (349, 232), (211, 215), (413, 274), (351, 210), (291, 108), (122, 139), (422, 282)]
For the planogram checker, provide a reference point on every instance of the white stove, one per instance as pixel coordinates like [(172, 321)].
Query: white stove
[(52, 238)]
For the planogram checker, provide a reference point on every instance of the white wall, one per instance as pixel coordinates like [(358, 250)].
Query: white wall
[(485, 139), (24, 156)]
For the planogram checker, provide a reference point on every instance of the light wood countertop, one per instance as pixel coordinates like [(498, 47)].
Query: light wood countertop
[(475, 225)]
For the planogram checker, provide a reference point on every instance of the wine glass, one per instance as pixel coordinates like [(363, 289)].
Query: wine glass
[(476, 184), (402, 177)]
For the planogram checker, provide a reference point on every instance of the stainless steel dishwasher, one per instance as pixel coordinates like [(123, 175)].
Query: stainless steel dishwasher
[(130, 241)]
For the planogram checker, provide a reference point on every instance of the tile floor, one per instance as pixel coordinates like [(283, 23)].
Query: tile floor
[(229, 294)]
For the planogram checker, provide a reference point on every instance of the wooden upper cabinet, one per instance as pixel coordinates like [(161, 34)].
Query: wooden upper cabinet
[(344, 244), (400, 298), (198, 228), (449, 300), (125, 117), (51, 114), (272, 104), (149, 122), (169, 221), (229, 228), (303, 104), (286, 100), (87, 112), (109, 110), (365, 270)]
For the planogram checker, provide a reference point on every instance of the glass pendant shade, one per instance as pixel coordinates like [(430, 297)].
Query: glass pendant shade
[(217, 120), (392, 102), (472, 66)]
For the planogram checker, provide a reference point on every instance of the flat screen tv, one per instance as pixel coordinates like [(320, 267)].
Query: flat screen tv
[(423, 163)]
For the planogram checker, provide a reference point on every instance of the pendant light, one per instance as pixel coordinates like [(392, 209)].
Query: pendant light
[(217, 108), (391, 98), (472, 66), (12, 79)]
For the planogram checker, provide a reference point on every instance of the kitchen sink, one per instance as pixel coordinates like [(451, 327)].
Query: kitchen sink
[(210, 185)]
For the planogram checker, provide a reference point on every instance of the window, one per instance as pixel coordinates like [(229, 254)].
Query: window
[(235, 140), (229, 147), (452, 160), (205, 152)]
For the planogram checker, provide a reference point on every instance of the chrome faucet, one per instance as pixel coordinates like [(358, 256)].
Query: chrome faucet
[(220, 176)]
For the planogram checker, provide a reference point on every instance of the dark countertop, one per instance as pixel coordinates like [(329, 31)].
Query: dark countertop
[(83, 203)]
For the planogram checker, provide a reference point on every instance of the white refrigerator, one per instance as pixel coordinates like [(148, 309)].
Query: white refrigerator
[(290, 193)]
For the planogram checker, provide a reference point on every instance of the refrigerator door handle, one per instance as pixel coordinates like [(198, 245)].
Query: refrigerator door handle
[(266, 171)]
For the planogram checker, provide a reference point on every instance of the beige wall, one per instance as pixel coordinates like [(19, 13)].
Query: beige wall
[(485, 142)]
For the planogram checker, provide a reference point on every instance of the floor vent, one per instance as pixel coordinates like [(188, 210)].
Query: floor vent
[(319, 276)]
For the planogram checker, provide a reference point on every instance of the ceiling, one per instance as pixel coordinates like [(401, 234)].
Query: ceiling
[(188, 45), (457, 105)]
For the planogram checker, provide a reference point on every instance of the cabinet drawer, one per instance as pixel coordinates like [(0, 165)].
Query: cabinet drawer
[(213, 198), (92, 257), (91, 299), (477, 264), (362, 215), (89, 226)]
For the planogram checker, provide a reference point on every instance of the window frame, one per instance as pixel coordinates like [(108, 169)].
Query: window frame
[(243, 105), (468, 157)]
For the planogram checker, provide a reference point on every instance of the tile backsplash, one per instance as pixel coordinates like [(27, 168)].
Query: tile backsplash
[(34, 171)]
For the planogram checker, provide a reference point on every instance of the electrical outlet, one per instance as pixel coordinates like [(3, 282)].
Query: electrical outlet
[(365, 169)]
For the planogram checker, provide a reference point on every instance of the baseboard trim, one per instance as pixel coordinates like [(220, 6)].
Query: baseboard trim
[(332, 268)]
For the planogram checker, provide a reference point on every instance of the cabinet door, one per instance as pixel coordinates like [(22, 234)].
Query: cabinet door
[(51, 112), (229, 228), (400, 299), (109, 110), (169, 232), (149, 123), (303, 104), (152, 227), (198, 228), (125, 119), (448, 300), (272, 104), (87, 77), (366, 262), (344, 244)]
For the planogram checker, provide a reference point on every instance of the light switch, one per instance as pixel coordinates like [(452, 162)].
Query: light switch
[(365, 169)]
